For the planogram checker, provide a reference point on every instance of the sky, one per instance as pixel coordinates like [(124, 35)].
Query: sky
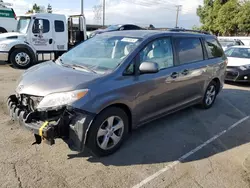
[(160, 13)]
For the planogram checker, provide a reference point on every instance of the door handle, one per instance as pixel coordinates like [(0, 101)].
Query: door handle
[(185, 72), (50, 41), (36, 35), (174, 75)]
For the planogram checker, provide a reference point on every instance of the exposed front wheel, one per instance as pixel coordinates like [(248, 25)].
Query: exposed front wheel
[(108, 131), (21, 58), (210, 95)]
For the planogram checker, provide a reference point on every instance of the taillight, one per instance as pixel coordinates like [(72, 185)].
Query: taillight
[(14, 14)]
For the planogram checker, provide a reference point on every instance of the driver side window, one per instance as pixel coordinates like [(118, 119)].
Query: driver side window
[(159, 51), (41, 25)]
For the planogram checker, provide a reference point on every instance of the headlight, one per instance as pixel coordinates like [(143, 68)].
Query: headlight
[(3, 46), (245, 67), (60, 99)]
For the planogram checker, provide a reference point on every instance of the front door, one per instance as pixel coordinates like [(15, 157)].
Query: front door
[(156, 92), (41, 35)]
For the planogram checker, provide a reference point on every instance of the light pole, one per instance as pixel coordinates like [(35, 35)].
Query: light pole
[(177, 14), (82, 7), (103, 12)]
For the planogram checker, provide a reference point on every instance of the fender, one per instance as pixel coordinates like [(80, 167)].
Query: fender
[(24, 46)]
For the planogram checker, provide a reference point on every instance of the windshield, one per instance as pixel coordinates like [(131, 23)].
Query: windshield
[(113, 27), (23, 24), (229, 43), (238, 52), (102, 53)]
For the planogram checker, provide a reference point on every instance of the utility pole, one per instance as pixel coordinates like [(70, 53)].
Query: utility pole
[(103, 12), (177, 14), (82, 7)]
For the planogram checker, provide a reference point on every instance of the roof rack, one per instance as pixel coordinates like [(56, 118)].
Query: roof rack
[(188, 30)]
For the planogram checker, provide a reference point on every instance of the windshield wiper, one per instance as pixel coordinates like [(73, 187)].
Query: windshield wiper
[(84, 67)]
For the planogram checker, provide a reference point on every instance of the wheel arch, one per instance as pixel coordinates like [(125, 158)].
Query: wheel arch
[(218, 84), (125, 108), (23, 46), (3, 29)]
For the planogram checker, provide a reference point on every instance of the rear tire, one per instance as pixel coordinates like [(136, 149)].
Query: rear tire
[(210, 95), (21, 59), (2, 30), (101, 135)]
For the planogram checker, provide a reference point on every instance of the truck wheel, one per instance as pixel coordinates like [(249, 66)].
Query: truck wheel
[(21, 58), (108, 131), (2, 30)]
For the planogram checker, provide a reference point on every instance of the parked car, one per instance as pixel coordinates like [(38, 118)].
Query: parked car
[(116, 28), (226, 43), (95, 94), (238, 68), (8, 20)]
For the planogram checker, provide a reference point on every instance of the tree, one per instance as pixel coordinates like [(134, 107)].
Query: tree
[(208, 14), (227, 17), (35, 9), (49, 8), (243, 18)]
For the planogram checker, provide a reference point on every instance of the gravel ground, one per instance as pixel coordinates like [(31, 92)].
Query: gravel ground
[(225, 162)]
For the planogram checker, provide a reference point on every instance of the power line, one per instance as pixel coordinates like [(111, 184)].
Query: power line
[(148, 5)]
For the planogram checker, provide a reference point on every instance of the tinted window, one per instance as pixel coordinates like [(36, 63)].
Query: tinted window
[(41, 24), (59, 26), (213, 48), (158, 51), (131, 27), (188, 50)]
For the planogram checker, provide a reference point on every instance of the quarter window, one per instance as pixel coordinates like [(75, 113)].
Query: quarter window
[(59, 26), (41, 25), (160, 52), (189, 50), (213, 48)]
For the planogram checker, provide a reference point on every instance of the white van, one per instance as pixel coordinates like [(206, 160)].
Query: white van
[(41, 37), (8, 21)]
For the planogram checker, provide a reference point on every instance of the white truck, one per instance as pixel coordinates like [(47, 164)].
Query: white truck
[(8, 20), (41, 37)]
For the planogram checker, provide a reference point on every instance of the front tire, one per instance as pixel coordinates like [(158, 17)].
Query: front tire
[(108, 131), (210, 95), (21, 58)]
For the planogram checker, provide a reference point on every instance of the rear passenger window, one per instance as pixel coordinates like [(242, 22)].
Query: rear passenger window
[(59, 26), (189, 50), (213, 48), (160, 52)]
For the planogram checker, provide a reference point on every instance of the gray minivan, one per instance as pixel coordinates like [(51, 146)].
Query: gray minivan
[(100, 90)]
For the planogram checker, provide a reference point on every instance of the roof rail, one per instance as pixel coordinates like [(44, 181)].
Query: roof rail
[(188, 30)]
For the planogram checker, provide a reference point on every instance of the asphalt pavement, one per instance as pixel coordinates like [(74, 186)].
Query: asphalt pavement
[(191, 148)]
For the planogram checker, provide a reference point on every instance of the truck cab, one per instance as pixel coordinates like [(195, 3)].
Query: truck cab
[(41, 37)]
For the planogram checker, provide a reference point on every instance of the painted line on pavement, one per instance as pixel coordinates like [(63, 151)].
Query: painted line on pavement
[(173, 164)]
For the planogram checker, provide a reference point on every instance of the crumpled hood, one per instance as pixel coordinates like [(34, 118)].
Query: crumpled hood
[(235, 62), (11, 35), (49, 77)]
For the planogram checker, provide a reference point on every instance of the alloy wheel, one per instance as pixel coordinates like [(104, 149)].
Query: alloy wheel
[(110, 132)]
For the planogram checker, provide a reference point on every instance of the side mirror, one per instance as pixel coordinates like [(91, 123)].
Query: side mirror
[(149, 67)]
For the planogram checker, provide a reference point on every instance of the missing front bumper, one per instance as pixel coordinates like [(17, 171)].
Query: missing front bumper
[(69, 124)]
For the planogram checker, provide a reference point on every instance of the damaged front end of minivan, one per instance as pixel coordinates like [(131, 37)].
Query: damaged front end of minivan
[(49, 123)]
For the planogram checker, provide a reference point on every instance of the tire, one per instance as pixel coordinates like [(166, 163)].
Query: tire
[(211, 92), (21, 59), (2, 30), (100, 124)]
